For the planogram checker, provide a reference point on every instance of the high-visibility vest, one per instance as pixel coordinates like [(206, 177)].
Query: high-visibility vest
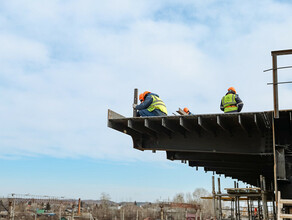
[(157, 104), (229, 103)]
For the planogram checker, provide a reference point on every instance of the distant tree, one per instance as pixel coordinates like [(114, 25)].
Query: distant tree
[(189, 198), (179, 198), (48, 206), (102, 212), (105, 198), (198, 193), (206, 204)]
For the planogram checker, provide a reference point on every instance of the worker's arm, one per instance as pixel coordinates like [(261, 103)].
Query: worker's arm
[(145, 104), (239, 103), (221, 106)]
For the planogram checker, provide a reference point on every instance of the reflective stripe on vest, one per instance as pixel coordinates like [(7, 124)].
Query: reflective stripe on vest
[(157, 104), (229, 103)]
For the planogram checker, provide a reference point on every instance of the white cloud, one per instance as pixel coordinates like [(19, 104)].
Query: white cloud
[(18, 49), (65, 63)]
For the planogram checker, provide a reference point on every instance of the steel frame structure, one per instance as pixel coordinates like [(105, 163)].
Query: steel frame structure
[(238, 145), (243, 146)]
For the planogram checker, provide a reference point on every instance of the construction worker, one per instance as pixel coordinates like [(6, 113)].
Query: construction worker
[(186, 110), (151, 105), (231, 102)]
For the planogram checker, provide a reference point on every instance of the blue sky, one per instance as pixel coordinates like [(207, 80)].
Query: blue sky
[(64, 63)]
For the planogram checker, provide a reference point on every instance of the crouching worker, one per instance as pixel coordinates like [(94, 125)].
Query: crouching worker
[(151, 105), (186, 110)]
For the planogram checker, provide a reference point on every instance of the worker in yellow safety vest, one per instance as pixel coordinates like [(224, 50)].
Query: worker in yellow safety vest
[(231, 102), (151, 105)]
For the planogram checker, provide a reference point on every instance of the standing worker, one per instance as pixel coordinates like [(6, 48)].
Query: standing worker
[(231, 102), (151, 105)]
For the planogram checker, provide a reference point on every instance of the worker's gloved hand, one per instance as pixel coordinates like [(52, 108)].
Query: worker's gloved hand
[(134, 106)]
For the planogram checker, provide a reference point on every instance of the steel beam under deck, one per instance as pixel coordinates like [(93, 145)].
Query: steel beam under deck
[(238, 145)]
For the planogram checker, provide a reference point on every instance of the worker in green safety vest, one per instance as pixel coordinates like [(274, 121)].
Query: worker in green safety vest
[(151, 105), (231, 102)]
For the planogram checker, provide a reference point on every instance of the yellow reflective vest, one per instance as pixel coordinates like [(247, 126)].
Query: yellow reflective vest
[(229, 103), (157, 104)]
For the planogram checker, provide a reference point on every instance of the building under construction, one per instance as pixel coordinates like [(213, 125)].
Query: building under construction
[(253, 147)]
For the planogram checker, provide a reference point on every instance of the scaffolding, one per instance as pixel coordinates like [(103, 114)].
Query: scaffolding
[(260, 203)]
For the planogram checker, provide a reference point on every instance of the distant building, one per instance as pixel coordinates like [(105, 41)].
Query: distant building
[(191, 216)]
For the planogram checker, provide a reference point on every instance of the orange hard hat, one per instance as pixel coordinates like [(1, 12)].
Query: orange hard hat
[(186, 110), (142, 95), (232, 89)]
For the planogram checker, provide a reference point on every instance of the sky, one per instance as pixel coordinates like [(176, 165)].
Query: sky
[(65, 63)]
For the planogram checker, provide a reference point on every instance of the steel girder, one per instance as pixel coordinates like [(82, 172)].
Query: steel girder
[(238, 145)]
